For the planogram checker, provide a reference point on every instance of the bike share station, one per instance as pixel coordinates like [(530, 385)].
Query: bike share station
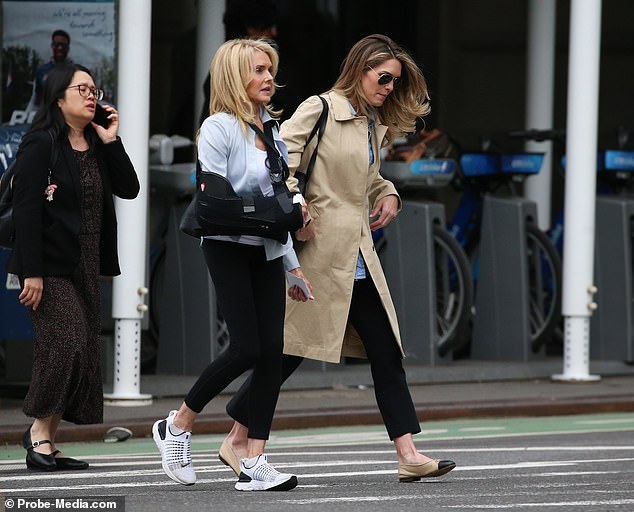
[(185, 336), (16, 331), (184, 309), (501, 326), (612, 324), (408, 255)]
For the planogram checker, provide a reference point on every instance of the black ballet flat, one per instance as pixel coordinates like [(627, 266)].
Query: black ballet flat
[(36, 460), (69, 463)]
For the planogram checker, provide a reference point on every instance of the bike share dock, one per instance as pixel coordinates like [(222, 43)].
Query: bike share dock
[(517, 269), (501, 328), (612, 324), (431, 291)]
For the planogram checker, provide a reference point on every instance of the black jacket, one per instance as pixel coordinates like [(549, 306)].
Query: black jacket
[(47, 233)]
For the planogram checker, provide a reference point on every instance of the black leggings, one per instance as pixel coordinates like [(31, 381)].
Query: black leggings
[(369, 318), (251, 294)]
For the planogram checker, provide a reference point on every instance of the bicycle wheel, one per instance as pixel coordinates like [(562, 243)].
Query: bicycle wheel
[(454, 292), (544, 285)]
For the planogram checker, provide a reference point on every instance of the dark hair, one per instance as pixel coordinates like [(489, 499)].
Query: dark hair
[(243, 14), (49, 115), (60, 32)]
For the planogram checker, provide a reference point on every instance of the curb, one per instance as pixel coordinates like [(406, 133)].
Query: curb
[(348, 416)]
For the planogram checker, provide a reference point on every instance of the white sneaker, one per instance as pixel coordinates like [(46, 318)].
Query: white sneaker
[(175, 451), (257, 475)]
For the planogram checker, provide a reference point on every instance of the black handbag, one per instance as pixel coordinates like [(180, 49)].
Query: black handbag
[(320, 126), (7, 226)]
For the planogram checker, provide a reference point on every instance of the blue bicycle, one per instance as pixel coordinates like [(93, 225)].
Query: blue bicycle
[(452, 272), (491, 172), (615, 172)]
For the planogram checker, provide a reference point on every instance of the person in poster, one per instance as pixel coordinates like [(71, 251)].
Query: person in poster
[(26, 45), (60, 45)]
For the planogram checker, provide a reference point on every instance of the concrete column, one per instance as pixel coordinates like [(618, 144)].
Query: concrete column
[(540, 84), (211, 34)]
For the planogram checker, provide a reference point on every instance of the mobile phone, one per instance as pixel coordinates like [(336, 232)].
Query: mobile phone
[(101, 116)]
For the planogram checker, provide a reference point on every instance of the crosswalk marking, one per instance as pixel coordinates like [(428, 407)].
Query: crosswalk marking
[(84, 479), (543, 505), (339, 467)]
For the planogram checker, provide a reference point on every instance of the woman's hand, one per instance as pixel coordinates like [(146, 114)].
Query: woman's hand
[(305, 217), (386, 210), (303, 234), (108, 134), (307, 232), (294, 292), (31, 294)]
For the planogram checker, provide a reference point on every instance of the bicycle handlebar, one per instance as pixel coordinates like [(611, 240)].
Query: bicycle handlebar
[(538, 135)]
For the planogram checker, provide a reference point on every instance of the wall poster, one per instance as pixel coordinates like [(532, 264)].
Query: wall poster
[(27, 28)]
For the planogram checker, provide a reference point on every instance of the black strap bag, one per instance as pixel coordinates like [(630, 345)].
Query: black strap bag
[(7, 226), (216, 209)]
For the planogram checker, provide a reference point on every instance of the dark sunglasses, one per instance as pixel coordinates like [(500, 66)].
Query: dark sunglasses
[(386, 78), (276, 169), (57, 44)]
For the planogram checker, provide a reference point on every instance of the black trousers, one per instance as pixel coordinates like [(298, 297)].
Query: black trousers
[(251, 294), (369, 318)]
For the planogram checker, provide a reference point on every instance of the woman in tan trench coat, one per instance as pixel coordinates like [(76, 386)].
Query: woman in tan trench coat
[(378, 95)]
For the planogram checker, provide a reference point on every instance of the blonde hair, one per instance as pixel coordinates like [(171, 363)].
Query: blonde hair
[(231, 70), (407, 102)]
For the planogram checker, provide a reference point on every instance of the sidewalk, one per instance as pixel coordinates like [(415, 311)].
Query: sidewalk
[(343, 395)]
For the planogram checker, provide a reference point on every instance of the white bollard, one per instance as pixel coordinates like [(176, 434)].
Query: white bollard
[(127, 367), (579, 208), (129, 290), (576, 351)]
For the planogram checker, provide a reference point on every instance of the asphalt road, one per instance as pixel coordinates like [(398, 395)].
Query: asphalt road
[(570, 463)]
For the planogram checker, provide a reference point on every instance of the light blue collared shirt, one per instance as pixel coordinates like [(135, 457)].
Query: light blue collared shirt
[(224, 149), (360, 272)]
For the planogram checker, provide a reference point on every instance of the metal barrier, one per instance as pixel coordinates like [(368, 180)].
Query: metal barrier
[(501, 325), (408, 262), (612, 324)]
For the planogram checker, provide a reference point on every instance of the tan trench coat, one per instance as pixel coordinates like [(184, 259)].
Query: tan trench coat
[(341, 191)]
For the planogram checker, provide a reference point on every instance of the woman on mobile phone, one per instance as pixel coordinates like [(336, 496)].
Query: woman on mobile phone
[(65, 238)]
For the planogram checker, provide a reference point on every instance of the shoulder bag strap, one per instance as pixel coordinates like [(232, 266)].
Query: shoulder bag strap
[(53, 158), (319, 128), (278, 170)]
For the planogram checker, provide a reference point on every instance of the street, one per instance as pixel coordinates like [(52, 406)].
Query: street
[(567, 463)]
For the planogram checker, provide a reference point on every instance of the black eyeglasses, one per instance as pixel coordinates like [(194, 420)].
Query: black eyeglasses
[(386, 78), (86, 91), (59, 44)]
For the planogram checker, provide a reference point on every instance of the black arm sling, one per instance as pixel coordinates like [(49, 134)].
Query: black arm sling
[(216, 209)]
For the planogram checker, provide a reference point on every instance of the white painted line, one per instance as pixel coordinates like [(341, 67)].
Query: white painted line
[(351, 499), (605, 422), (567, 504), (581, 473), (127, 485), (141, 459), (379, 438), (480, 429), (89, 475)]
